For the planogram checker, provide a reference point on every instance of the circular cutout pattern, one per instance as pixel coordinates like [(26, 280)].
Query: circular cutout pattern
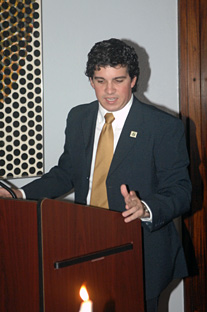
[(21, 128)]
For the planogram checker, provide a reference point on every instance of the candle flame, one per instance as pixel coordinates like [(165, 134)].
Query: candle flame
[(83, 293)]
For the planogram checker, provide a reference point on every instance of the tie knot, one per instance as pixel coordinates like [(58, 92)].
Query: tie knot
[(109, 118)]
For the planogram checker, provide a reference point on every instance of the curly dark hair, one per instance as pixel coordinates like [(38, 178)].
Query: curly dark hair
[(113, 52)]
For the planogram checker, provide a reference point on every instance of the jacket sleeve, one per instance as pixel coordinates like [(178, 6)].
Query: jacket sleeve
[(173, 191), (58, 181)]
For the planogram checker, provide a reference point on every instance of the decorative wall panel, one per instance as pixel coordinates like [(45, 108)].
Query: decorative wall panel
[(21, 130)]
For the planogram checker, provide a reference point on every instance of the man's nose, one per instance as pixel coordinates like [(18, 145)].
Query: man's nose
[(110, 88)]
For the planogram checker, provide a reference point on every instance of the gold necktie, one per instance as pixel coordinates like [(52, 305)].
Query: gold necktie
[(104, 156)]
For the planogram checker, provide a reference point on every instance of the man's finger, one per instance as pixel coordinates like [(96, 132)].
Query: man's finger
[(124, 190)]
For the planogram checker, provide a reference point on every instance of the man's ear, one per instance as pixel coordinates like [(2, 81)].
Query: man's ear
[(91, 82), (133, 81)]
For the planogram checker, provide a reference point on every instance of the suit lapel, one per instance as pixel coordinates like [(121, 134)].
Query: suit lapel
[(88, 129), (130, 135)]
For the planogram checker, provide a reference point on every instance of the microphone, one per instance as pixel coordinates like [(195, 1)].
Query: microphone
[(3, 185)]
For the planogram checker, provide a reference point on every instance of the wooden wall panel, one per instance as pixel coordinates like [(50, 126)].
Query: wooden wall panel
[(203, 23), (193, 103)]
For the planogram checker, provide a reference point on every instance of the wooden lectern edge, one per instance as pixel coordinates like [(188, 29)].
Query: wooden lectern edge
[(42, 200)]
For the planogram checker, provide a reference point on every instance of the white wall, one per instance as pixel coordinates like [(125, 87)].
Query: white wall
[(71, 27)]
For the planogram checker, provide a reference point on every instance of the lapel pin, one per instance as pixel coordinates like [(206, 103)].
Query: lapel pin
[(133, 134)]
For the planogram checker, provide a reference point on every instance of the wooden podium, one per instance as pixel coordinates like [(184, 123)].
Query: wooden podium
[(50, 249)]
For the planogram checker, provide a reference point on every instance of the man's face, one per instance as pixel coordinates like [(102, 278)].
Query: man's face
[(113, 87)]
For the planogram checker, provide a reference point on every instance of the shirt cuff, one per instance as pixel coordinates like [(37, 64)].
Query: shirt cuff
[(23, 193), (149, 219)]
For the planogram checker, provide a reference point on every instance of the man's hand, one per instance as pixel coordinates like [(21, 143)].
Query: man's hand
[(5, 194), (134, 206)]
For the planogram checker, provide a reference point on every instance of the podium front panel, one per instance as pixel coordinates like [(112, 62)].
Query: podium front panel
[(94, 247)]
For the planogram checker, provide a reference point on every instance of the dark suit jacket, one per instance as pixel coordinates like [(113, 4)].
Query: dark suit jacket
[(154, 163)]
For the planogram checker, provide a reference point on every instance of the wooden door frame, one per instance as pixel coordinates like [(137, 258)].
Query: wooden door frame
[(193, 108)]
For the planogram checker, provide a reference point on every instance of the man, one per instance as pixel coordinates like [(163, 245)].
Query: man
[(148, 176)]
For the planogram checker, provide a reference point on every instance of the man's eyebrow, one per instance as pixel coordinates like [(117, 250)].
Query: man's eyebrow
[(118, 77), (97, 77)]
